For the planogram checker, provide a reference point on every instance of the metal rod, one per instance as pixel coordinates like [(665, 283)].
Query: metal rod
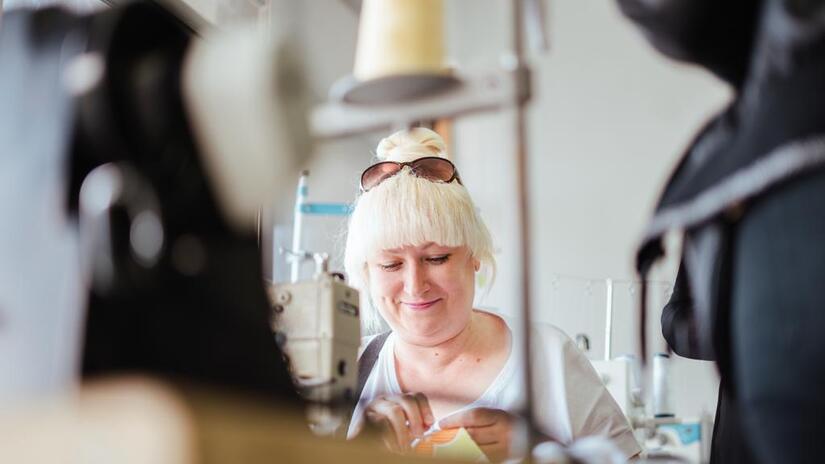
[(298, 227), (537, 25), (608, 322), (523, 213)]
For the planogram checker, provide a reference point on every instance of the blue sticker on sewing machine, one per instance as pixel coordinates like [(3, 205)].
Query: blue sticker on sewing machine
[(688, 433), (326, 209)]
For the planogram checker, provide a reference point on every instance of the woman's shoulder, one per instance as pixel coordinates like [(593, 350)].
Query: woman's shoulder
[(547, 334), (543, 328)]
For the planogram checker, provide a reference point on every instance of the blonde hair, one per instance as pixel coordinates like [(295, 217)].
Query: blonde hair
[(406, 210)]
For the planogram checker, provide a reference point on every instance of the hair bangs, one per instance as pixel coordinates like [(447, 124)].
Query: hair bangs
[(409, 211)]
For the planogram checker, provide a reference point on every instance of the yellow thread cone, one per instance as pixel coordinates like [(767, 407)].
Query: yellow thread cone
[(400, 37)]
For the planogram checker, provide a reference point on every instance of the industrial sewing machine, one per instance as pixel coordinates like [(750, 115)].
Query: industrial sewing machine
[(316, 322)]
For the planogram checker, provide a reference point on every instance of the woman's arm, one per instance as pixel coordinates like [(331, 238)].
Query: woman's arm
[(572, 401)]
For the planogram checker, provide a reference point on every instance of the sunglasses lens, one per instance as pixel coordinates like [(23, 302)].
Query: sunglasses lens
[(438, 169), (377, 173)]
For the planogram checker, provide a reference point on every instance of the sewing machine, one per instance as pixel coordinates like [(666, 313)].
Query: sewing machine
[(316, 323)]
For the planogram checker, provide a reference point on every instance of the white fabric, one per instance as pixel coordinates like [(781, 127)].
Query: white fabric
[(572, 402)]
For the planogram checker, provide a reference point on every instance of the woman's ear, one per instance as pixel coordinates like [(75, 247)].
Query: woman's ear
[(476, 264)]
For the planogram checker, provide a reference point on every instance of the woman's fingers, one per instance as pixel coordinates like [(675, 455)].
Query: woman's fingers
[(388, 435), (476, 417), (494, 440), (417, 410), (489, 434), (491, 429), (392, 416), (407, 416), (426, 411)]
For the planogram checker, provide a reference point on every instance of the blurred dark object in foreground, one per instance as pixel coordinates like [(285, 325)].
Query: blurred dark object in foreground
[(175, 291)]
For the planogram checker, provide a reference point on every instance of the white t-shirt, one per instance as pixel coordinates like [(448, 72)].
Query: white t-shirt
[(571, 400)]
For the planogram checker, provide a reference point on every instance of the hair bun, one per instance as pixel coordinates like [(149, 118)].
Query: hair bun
[(407, 145)]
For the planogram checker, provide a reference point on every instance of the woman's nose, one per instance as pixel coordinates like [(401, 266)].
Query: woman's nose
[(415, 280)]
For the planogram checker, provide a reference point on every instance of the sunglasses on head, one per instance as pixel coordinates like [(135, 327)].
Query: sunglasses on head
[(431, 168)]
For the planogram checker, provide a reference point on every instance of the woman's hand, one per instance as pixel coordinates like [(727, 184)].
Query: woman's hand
[(491, 429), (402, 419)]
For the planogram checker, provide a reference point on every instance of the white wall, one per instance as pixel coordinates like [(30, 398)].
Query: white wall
[(607, 123)]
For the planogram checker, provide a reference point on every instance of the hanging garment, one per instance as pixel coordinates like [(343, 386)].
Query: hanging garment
[(748, 195)]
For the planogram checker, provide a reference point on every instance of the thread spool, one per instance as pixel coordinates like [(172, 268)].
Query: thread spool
[(400, 37), (400, 53), (662, 406)]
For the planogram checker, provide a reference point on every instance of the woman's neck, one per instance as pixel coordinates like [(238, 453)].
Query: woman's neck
[(455, 350)]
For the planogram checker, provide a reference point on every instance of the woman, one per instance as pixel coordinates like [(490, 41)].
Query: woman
[(414, 246)]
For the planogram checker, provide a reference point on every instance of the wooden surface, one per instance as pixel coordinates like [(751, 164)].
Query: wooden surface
[(140, 420)]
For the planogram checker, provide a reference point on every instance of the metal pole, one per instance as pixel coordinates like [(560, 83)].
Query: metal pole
[(523, 213), (608, 323), (298, 228)]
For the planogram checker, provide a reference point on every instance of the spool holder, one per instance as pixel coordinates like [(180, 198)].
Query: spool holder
[(489, 90)]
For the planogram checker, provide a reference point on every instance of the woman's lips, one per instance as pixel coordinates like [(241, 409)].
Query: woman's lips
[(420, 305)]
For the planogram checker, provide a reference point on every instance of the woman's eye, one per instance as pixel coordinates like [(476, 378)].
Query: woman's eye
[(389, 266), (438, 259)]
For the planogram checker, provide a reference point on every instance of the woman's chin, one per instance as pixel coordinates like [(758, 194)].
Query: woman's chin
[(427, 328), (432, 334)]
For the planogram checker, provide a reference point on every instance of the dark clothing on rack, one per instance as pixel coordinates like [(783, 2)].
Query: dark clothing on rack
[(715, 35), (777, 321), (750, 196), (769, 403), (728, 444)]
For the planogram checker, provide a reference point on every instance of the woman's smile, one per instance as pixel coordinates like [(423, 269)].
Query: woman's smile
[(420, 305)]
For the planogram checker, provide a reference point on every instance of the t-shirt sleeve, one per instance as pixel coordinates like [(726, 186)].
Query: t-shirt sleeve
[(566, 374)]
